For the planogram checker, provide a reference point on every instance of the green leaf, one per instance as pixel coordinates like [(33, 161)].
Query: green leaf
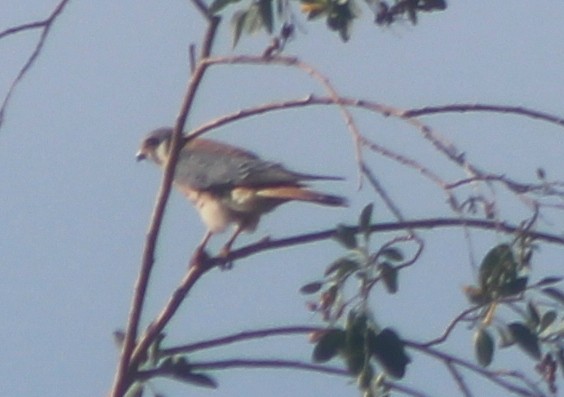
[(311, 288), (197, 379), (342, 266), (498, 268), (356, 322), (513, 287), (267, 17), (389, 351), (505, 337), (430, 5), (525, 339), (549, 281), (329, 345), (181, 370), (393, 254), (237, 24), (218, 5), (547, 319), (329, 296), (340, 18), (315, 14), (475, 295), (534, 315), (389, 277), (346, 235), (355, 360), (135, 390), (365, 220), (484, 347), (354, 351), (555, 294), (253, 21)]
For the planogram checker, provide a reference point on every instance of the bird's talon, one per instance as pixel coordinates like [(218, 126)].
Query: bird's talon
[(224, 253), (200, 256)]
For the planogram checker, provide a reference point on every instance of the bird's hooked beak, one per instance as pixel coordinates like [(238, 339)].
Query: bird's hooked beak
[(140, 155), (155, 146)]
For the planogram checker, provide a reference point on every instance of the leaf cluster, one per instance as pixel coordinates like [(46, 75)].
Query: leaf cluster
[(387, 14), (176, 367), (338, 14), (538, 330), (359, 343), (358, 264)]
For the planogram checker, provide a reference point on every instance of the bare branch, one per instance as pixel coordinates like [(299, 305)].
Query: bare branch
[(275, 363), (492, 376), (408, 391), (203, 8), (463, 108), (540, 189), (45, 25), (322, 79), (431, 223), (460, 317), (459, 379), (240, 337), (131, 353)]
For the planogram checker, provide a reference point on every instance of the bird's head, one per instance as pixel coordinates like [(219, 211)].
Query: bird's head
[(155, 146)]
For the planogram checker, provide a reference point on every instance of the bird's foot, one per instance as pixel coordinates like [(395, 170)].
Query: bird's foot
[(200, 256), (226, 263)]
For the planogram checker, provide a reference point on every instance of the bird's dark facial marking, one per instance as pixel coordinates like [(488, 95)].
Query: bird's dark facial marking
[(152, 142)]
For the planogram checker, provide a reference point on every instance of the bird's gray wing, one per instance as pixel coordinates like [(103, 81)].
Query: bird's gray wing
[(210, 165)]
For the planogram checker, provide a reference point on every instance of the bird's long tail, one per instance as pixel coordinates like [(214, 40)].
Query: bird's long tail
[(302, 194)]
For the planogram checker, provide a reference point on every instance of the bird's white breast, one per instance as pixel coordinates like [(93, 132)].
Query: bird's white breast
[(215, 215)]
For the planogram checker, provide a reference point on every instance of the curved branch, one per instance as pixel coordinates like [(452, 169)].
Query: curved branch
[(464, 108), (240, 337), (314, 73), (451, 326), (459, 379), (543, 188), (430, 223), (492, 376), (266, 363), (45, 25)]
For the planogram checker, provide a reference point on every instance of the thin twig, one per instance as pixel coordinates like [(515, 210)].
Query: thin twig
[(544, 188), (322, 79), (492, 376), (203, 9), (408, 391), (240, 337), (45, 25), (451, 326), (477, 107), (274, 363), (459, 379)]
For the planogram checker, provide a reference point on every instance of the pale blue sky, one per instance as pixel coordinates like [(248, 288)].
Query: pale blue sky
[(74, 204)]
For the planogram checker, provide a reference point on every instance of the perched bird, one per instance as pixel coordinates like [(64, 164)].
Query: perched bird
[(230, 185)]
